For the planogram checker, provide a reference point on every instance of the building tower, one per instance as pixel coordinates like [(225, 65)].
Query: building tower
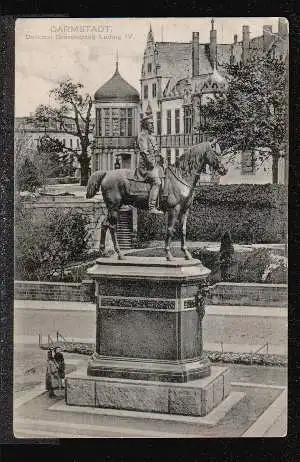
[(116, 128)]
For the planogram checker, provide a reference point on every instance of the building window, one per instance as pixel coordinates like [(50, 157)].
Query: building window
[(177, 121), (176, 154), (106, 122), (158, 122), (123, 120), (64, 142), (154, 90), (98, 122), (169, 121), (169, 156), (71, 143), (115, 122), (187, 119), (146, 92), (129, 122), (78, 143), (248, 162), (149, 67)]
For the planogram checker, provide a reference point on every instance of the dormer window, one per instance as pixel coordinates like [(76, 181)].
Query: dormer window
[(149, 67)]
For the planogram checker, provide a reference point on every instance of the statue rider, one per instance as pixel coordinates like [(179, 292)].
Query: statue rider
[(150, 161)]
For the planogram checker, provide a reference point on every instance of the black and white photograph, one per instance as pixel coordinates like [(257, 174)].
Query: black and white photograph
[(151, 160)]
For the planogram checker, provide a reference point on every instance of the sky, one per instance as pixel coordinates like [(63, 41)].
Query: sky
[(50, 50)]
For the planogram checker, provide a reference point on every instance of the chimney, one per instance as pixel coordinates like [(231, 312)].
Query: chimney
[(213, 46), (267, 37), (231, 59), (245, 44), (282, 27), (195, 54), (235, 39)]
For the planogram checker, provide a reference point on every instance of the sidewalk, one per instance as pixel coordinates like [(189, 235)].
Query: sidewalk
[(255, 407), (211, 310)]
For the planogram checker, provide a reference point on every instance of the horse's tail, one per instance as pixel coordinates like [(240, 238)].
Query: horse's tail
[(94, 184)]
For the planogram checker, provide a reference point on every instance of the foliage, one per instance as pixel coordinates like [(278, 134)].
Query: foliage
[(277, 270), (252, 269), (245, 266), (27, 176), (46, 241), (254, 112), (251, 213), (72, 106), (226, 254), (56, 161), (88, 349)]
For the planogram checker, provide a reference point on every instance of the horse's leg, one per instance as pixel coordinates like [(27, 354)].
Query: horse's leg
[(172, 218), (113, 219), (104, 226), (183, 220)]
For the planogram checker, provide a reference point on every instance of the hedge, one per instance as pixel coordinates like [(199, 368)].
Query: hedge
[(246, 266), (214, 356), (251, 213)]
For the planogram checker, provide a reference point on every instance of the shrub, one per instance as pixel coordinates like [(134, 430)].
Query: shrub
[(245, 266), (251, 213), (27, 176), (46, 241), (226, 255), (252, 269)]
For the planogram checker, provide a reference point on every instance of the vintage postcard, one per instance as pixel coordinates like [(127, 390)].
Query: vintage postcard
[(151, 176)]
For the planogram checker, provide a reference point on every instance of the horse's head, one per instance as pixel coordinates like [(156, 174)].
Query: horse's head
[(94, 184), (214, 160)]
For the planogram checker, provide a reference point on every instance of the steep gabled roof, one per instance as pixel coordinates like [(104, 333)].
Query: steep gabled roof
[(174, 59)]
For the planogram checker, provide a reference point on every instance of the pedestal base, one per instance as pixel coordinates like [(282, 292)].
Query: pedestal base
[(195, 398), (143, 369)]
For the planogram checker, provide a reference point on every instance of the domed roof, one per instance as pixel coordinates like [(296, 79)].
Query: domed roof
[(117, 89)]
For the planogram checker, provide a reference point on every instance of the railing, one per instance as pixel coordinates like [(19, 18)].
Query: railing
[(180, 140), (265, 346), (164, 141), (51, 342), (115, 142)]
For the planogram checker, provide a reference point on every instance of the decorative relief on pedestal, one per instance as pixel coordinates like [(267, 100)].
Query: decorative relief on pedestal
[(137, 303), (189, 304)]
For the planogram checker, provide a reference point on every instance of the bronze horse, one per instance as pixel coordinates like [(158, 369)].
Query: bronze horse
[(116, 191)]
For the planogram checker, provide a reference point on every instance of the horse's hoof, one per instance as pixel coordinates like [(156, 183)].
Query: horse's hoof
[(169, 257), (121, 257), (188, 256)]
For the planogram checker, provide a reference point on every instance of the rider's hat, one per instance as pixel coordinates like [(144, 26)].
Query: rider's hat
[(148, 114)]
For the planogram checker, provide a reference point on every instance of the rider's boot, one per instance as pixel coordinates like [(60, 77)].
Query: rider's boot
[(152, 200)]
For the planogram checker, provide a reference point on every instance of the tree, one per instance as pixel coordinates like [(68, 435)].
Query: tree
[(253, 114), (75, 107), (56, 161)]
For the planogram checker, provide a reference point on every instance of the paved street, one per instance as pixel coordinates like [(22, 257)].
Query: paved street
[(228, 327)]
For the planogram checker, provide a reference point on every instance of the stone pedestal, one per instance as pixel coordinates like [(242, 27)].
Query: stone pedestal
[(149, 340)]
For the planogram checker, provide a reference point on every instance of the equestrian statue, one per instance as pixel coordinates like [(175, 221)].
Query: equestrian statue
[(153, 183)]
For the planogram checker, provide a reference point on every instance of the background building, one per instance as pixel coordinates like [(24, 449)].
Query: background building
[(31, 133), (178, 78), (117, 113)]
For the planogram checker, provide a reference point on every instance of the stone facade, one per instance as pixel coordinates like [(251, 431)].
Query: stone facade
[(56, 291), (195, 398)]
